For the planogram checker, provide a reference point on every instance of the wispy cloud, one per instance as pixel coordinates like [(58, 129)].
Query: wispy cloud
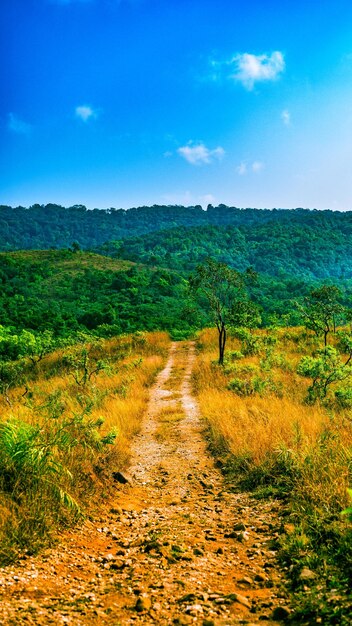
[(249, 69), (241, 169), (85, 112), (286, 117), (16, 125), (257, 166), (244, 168), (198, 153)]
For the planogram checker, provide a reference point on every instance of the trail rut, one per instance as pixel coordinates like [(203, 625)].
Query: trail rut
[(175, 547)]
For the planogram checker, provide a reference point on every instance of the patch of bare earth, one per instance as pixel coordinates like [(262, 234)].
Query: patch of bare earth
[(175, 547)]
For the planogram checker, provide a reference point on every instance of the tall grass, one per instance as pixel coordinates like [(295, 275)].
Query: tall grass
[(60, 441), (271, 441)]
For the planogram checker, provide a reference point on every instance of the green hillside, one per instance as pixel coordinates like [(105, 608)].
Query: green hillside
[(67, 291), (295, 249), (281, 236)]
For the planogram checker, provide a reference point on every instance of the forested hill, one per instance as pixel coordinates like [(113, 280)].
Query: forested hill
[(53, 226), (272, 248)]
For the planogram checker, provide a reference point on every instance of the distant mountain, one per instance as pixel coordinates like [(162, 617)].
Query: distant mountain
[(306, 245), (53, 226)]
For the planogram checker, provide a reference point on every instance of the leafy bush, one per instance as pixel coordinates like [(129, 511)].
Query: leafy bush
[(325, 370), (35, 474), (251, 344)]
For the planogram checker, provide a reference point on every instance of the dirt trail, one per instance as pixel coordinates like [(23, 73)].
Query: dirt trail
[(175, 546)]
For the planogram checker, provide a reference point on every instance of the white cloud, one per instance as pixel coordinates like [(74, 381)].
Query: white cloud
[(257, 166), (286, 117), (196, 154), (16, 125), (241, 169), (251, 68), (85, 112)]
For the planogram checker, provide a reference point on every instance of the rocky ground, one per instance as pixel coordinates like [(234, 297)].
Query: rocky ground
[(175, 546)]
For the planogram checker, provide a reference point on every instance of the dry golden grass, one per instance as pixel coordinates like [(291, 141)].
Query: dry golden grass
[(112, 402), (275, 432)]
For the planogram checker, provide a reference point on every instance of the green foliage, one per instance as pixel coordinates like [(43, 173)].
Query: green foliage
[(35, 476), (26, 344), (11, 374), (322, 310), (53, 290), (348, 511), (82, 366), (250, 343), (223, 288), (62, 293), (325, 369)]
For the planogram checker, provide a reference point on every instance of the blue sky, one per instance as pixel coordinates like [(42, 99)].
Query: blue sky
[(130, 102)]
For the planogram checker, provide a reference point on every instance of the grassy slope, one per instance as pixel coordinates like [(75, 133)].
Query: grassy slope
[(61, 439), (65, 291), (268, 439)]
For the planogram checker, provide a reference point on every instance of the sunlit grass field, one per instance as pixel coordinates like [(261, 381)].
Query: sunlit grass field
[(66, 430), (270, 440)]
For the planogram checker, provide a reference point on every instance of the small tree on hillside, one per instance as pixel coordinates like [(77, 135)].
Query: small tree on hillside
[(221, 286), (322, 309)]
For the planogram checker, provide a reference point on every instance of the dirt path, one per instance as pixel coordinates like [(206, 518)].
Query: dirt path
[(175, 548)]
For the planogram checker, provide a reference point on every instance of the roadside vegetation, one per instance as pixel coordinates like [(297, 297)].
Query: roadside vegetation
[(65, 430), (278, 419)]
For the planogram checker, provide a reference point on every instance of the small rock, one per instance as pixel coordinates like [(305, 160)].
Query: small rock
[(143, 603), (122, 477), (220, 600), (246, 580), (240, 526), (183, 620), (118, 564), (198, 552), (194, 609), (189, 597), (260, 578), (208, 622), (152, 545), (136, 542), (307, 574), (236, 597), (280, 613)]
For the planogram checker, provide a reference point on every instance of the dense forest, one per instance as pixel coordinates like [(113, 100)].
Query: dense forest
[(313, 243), (135, 274), (272, 248), (65, 292)]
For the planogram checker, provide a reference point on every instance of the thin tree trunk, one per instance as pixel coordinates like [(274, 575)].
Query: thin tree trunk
[(222, 343)]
